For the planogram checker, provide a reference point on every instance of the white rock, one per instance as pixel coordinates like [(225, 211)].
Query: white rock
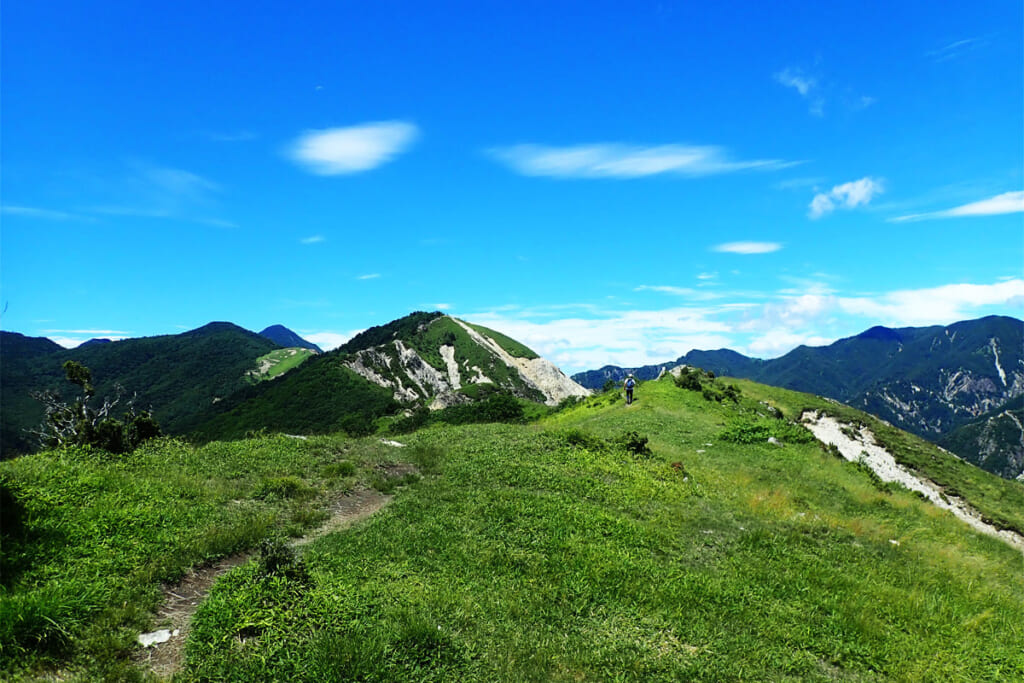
[(157, 637)]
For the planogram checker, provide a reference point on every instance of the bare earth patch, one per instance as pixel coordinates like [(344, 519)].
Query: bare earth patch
[(864, 449), (183, 599)]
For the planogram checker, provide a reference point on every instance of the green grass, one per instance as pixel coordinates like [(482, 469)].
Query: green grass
[(278, 362), (514, 348), (540, 552)]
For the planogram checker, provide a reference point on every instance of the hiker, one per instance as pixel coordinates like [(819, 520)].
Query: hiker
[(629, 384)]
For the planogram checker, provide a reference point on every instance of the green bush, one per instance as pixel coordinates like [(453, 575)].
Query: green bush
[(581, 439), (277, 559), (633, 443), (759, 431), (689, 379)]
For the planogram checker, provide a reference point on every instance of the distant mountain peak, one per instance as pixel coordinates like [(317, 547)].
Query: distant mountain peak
[(881, 333), (282, 336)]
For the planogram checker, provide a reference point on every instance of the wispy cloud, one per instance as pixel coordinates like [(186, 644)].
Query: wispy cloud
[(956, 49), (805, 84), (846, 196), (43, 214), (614, 160), (315, 239), (817, 92), (103, 333), (340, 151), (686, 292), (1008, 202), (748, 247), (666, 289), (148, 190), (368, 276)]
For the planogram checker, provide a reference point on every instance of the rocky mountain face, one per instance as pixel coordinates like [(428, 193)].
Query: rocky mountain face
[(443, 361), (995, 441), (930, 381)]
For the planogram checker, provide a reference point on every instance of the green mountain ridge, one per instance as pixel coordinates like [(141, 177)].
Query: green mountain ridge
[(929, 381), (179, 376)]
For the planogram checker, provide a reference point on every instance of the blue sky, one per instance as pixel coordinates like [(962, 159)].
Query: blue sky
[(607, 182)]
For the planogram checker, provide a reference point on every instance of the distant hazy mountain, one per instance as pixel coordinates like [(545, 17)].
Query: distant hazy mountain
[(179, 375), (926, 380), (282, 336)]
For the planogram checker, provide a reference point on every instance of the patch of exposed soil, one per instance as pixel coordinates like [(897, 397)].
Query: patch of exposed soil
[(183, 598), (346, 511), (180, 603)]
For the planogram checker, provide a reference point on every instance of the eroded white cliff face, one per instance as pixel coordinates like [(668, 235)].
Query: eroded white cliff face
[(401, 368), (538, 373)]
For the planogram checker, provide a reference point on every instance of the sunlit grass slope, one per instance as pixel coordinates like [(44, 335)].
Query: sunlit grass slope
[(551, 551)]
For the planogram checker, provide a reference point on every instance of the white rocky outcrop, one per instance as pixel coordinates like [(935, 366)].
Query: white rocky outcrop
[(401, 369), (537, 372), (861, 447)]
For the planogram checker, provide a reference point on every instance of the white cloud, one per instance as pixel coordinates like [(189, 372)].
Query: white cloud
[(94, 333), (315, 239), (613, 160), (44, 214), (1008, 202), (368, 276), (956, 49), (70, 339), (689, 293), (627, 338), (337, 151), (779, 342), (807, 86), (329, 340), (797, 79), (667, 289), (441, 307), (581, 337), (936, 305), (748, 247), (846, 196)]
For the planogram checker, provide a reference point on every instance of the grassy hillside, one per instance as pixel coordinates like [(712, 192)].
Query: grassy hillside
[(278, 362), (569, 549), (321, 396)]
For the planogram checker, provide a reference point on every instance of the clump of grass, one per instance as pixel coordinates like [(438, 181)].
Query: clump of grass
[(427, 457), (283, 488), (386, 483), (337, 470)]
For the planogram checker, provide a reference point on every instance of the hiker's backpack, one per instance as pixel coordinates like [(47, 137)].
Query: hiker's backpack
[(630, 383)]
